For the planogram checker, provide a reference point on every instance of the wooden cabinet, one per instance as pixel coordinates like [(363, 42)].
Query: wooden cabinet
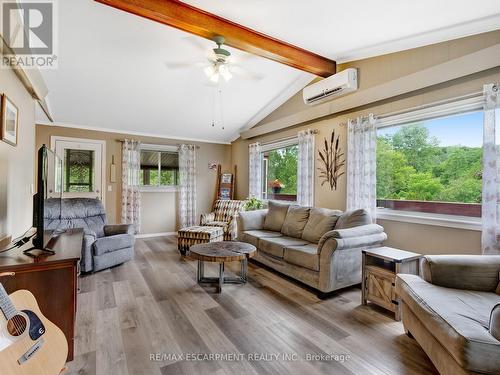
[(380, 267), (53, 280)]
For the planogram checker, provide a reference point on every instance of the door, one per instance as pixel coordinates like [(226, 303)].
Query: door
[(82, 166)]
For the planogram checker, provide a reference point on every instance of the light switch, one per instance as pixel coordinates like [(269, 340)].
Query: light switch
[(110, 188)]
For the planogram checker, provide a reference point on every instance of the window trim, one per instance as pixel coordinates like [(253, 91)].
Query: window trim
[(158, 188), (431, 112), (425, 218)]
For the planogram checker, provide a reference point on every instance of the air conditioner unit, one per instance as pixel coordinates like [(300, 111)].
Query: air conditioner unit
[(332, 87)]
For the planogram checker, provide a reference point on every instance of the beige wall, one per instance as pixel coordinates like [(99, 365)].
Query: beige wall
[(373, 72), (159, 210), (17, 163)]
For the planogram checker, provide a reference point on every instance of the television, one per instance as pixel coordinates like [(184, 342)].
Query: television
[(47, 201)]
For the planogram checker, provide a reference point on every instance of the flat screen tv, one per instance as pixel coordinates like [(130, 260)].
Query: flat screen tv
[(47, 198)]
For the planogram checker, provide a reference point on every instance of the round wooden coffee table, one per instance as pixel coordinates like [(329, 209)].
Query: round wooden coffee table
[(222, 252)]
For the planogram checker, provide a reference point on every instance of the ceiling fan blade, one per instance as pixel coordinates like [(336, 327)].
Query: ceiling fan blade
[(196, 42), (183, 65), (245, 73)]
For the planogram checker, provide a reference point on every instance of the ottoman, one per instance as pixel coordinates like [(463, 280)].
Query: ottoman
[(186, 237)]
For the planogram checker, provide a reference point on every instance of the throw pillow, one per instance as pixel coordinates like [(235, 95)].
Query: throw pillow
[(495, 322), (321, 220), (353, 219), (295, 221), (275, 216)]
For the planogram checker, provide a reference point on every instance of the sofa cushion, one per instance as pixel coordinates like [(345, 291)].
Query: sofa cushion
[(275, 216), (351, 219), (276, 246), (457, 318), (495, 322), (306, 256), (321, 220), (252, 236), (295, 221)]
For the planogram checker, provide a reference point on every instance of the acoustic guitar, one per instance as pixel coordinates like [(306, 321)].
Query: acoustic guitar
[(29, 343)]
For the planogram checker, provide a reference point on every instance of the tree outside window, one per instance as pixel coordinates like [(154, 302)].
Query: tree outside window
[(438, 160)]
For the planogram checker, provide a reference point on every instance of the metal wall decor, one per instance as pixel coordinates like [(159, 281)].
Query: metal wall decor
[(332, 162)]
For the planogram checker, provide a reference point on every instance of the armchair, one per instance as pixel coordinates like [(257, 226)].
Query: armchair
[(224, 215), (103, 245), (452, 312)]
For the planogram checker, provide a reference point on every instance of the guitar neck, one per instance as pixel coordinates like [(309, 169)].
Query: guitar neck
[(6, 305)]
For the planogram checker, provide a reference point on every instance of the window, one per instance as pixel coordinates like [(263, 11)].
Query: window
[(279, 169), (432, 165), (79, 167), (159, 167)]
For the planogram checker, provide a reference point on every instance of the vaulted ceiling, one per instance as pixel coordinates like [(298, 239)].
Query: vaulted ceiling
[(118, 71)]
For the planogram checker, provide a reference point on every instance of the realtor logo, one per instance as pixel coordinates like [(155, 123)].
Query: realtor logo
[(29, 31)]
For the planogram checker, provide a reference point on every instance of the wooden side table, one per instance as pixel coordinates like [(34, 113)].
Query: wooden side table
[(380, 267)]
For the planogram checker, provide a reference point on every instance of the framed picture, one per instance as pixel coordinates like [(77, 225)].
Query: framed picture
[(226, 178), (9, 118), (225, 193)]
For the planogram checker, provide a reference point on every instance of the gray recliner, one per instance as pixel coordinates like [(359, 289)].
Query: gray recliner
[(103, 245)]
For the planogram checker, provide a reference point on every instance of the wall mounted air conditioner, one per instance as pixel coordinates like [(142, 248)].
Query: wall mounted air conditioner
[(332, 87)]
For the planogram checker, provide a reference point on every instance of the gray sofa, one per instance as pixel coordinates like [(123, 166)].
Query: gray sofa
[(449, 311), (103, 245), (317, 246)]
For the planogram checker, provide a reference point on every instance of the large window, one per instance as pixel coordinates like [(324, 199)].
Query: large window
[(432, 166), (279, 168), (159, 168)]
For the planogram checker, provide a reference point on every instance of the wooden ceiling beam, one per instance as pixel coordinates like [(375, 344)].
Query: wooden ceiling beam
[(207, 25)]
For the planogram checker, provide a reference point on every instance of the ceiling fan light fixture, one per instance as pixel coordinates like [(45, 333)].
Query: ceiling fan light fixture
[(225, 73)]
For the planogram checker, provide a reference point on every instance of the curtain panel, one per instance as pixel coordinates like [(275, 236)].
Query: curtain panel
[(362, 165), (255, 171), (131, 196), (305, 168), (187, 185), (491, 171)]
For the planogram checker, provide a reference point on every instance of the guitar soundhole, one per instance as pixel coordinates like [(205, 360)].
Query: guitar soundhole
[(17, 325)]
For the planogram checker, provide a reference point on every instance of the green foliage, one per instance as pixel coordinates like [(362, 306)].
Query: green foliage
[(412, 166), (253, 204), (282, 166)]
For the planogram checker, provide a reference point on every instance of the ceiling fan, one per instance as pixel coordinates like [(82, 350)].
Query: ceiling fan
[(220, 63)]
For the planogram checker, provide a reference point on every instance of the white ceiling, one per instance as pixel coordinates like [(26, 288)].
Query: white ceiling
[(348, 30), (112, 73)]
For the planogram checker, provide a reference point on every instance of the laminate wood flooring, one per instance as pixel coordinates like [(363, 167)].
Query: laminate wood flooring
[(149, 316)]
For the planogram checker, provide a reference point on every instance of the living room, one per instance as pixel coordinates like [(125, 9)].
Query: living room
[(204, 187)]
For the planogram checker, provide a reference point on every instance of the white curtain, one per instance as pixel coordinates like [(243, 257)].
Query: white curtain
[(491, 172), (361, 165), (187, 185), (255, 171), (305, 168), (131, 197)]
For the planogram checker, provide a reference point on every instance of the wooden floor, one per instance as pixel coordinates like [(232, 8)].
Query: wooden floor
[(153, 306)]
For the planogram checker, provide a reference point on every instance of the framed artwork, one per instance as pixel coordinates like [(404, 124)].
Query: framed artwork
[(225, 193), (10, 117), (226, 178)]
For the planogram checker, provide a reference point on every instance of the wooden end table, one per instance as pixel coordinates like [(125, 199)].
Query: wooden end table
[(222, 252), (380, 267)]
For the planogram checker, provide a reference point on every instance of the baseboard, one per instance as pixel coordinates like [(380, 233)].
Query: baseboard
[(149, 235)]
